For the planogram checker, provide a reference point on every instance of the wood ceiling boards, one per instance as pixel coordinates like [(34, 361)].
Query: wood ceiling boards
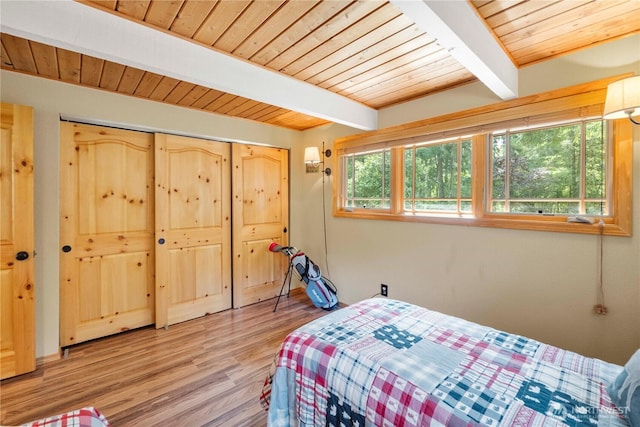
[(366, 51)]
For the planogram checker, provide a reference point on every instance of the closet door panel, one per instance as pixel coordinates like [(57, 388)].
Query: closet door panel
[(106, 231), (193, 228), (260, 216)]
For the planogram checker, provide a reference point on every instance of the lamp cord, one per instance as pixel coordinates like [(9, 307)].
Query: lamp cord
[(601, 279), (601, 308)]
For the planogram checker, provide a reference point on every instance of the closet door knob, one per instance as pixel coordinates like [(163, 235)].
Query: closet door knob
[(66, 248), (22, 255)]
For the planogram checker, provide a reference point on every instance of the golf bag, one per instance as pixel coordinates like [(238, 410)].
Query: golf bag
[(320, 290)]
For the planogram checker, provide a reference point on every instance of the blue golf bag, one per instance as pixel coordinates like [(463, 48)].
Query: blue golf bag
[(320, 290)]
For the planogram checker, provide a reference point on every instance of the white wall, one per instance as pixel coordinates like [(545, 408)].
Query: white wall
[(539, 284)]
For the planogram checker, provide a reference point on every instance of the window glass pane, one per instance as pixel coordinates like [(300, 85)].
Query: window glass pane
[(596, 160), (545, 207), (386, 196), (370, 203), (465, 169), (437, 205), (499, 166), (408, 175), (350, 178), (545, 163), (596, 208), (367, 182), (498, 206), (554, 170), (438, 176), (437, 171)]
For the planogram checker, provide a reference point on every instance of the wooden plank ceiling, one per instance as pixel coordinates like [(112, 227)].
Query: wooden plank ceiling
[(367, 51)]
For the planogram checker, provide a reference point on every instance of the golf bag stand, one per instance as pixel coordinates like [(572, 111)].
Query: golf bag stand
[(287, 278)]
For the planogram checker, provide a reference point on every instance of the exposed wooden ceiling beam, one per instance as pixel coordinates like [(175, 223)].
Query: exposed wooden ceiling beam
[(73, 26), (457, 27)]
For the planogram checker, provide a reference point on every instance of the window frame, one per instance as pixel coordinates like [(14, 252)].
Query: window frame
[(584, 101), (582, 198), (346, 182)]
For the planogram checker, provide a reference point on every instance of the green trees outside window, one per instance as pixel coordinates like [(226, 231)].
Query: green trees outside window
[(437, 177), (368, 179), (551, 170)]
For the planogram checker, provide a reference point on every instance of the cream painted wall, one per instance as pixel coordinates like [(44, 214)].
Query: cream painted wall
[(50, 100), (539, 284)]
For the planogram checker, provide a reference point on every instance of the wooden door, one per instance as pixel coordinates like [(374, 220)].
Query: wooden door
[(106, 231), (260, 216), (17, 311), (193, 228)]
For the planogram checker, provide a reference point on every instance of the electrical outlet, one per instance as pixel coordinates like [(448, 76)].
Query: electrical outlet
[(384, 290), (600, 309)]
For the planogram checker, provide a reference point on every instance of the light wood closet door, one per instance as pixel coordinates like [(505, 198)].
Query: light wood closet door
[(260, 216), (17, 312), (106, 231), (193, 228)]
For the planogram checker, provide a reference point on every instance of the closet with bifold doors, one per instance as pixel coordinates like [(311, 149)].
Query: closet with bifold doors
[(146, 228)]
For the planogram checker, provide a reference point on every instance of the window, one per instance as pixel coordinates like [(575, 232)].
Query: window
[(437, 177), (550, 170), (367, 180), (529, 163)]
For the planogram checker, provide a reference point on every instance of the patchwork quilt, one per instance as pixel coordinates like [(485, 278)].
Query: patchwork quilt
[(383, 362), (85, 417)]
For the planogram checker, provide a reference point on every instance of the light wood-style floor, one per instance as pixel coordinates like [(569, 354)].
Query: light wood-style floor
[(204, 372)]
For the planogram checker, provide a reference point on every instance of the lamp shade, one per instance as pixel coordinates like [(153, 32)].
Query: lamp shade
[(311, 155), (623, 99)]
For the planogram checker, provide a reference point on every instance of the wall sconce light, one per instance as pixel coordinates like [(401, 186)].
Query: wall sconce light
[(623, 99), (312, 159)]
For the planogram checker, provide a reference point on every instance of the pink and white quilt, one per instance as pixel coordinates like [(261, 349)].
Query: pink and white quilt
[(382, 362)]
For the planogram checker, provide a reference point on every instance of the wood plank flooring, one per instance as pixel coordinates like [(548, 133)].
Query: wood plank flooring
[(204, 372)]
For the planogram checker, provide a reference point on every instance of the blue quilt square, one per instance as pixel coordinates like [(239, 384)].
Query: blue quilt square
[(395, 337), (340, 414)]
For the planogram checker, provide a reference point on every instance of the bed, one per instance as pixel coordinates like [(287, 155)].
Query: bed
[(383, 362)]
